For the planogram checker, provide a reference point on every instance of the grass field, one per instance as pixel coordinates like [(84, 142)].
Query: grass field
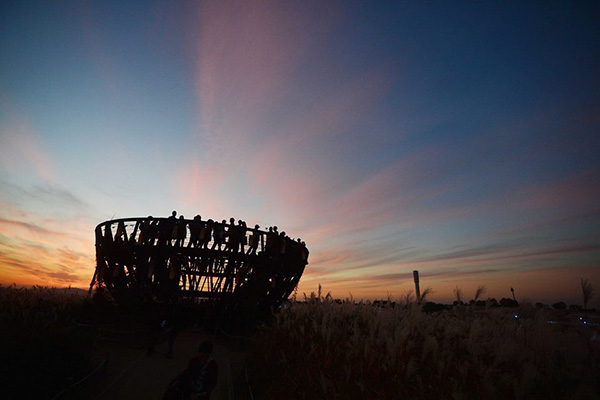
[(321, 348), (327, 349), (43, 340)]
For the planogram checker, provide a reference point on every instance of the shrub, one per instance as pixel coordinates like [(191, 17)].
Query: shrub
[(561, 305), (508, 303), (433, 307)]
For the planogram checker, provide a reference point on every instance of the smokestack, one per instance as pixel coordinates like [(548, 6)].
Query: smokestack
[(417, 289)]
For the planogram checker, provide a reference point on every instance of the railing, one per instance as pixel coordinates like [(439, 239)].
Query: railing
[(167, 231), (194, 258)]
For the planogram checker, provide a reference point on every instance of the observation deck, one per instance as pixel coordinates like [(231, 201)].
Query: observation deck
[(169, 260)]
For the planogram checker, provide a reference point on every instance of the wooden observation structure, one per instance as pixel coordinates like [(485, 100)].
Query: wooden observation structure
[(169, 260)]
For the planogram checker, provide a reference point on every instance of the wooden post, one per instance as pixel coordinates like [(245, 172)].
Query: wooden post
[(417, 289)]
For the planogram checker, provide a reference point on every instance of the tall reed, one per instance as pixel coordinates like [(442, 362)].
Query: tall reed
[(323, 348)]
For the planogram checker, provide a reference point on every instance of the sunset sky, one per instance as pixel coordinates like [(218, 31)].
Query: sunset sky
[(460, 139)]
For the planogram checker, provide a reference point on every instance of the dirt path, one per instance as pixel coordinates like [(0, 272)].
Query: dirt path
[(131, 374)]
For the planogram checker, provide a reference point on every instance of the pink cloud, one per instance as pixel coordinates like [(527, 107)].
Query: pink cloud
[(248, 57), (197, 181), (388, 197), (21, 150), (7, 224), (281, 161), (247, 52), (577, 192)]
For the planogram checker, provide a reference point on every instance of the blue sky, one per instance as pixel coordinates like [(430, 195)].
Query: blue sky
[(457, 138)]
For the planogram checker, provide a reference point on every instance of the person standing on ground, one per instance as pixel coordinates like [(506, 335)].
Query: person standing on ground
[(175, 323), (206, 380), (198, 380)]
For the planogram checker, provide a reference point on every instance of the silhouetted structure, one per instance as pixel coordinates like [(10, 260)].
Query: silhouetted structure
[(417, 288), (154, 260)]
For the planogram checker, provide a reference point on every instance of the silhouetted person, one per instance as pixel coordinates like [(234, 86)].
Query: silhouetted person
[(195, 229), (181, 231), (173, 224), (283, 239), (166, 228), (198, 380), (276, 240), (270, 240), (208, 230), (242, 235), (254, 240), (237, 236), (155, 321), (219, 234), (293, 250), (174, 324), (304, 253), (233, 235), (207, 377), (145, 227)]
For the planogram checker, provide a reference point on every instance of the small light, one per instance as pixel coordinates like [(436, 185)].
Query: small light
[(516, 316)]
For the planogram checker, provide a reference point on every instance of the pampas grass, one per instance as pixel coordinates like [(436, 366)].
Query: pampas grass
[(346, 350)]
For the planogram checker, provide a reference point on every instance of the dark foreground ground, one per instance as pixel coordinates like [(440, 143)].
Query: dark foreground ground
[(131, 374), (316, 349)]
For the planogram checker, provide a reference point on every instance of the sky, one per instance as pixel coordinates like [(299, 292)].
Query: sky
[(460, 139)]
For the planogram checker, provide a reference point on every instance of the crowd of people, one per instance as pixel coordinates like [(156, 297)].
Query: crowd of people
[(214, 235)]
